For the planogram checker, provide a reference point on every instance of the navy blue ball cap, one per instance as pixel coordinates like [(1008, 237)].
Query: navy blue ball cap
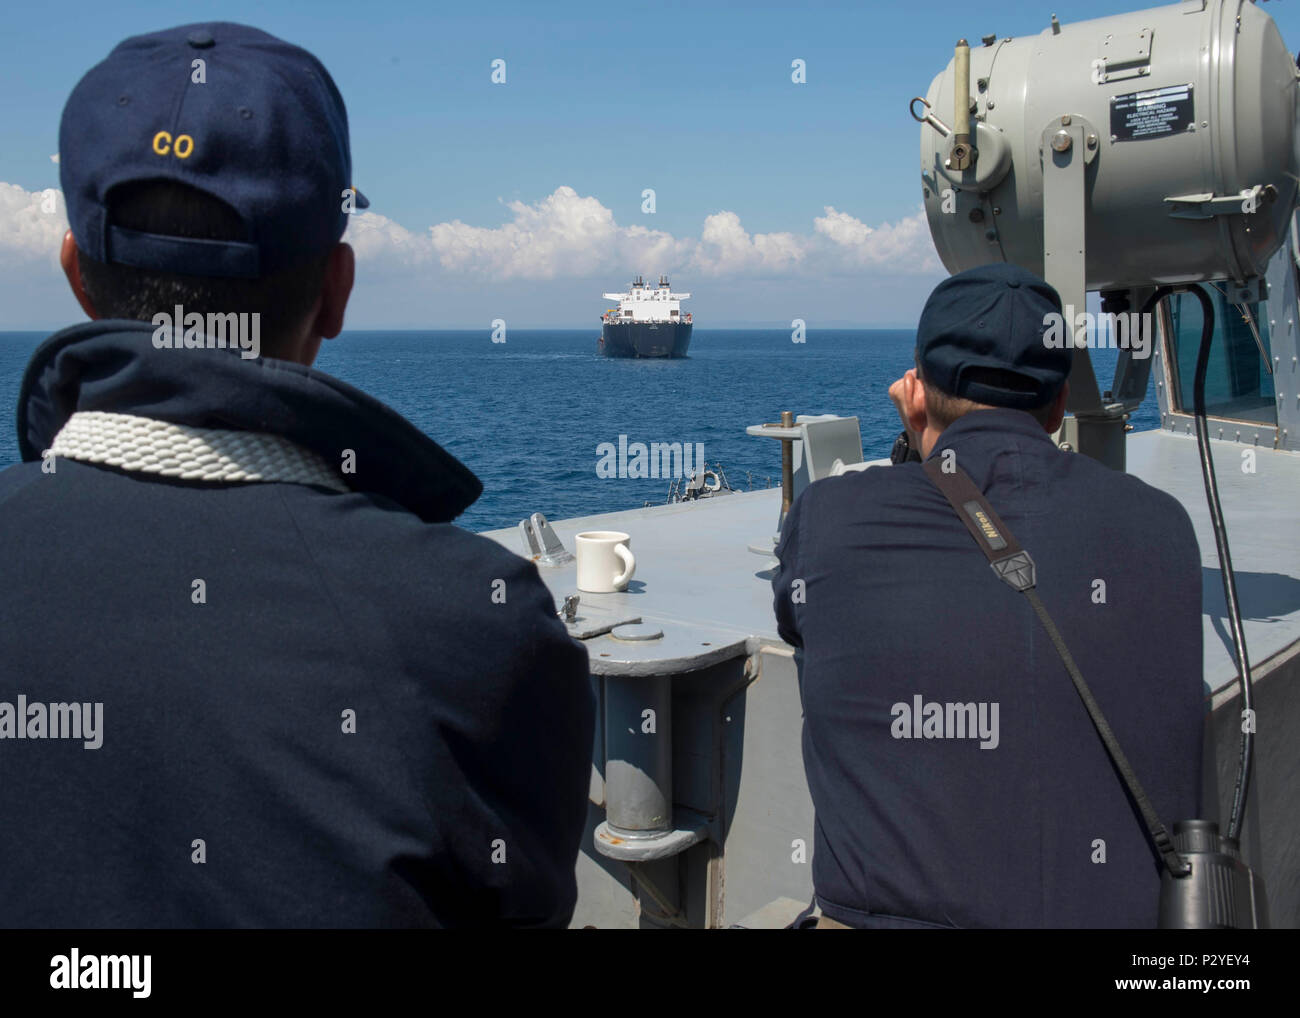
[(990, 321), (258, 124)]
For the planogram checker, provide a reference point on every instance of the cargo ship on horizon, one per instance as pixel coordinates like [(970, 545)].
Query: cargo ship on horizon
[(648, 322)]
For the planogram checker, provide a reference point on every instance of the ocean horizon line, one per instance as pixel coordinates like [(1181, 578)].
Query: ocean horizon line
[(756, 326)]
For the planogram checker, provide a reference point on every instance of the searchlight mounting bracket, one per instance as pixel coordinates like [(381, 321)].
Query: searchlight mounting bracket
[(1069, 143)]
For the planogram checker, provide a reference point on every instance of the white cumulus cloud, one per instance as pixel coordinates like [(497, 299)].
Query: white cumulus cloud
[(568, 235), (378, 238), (725, 248), (902, 245), (564, 235), (32, 224)]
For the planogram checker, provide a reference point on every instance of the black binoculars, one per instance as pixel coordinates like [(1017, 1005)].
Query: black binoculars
[(1220, 893)]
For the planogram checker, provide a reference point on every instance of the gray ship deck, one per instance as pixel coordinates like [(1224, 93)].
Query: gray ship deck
[(698, 581), (736, 760)]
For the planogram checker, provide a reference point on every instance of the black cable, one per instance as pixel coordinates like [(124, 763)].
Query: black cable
[(1246, 755), (1225, 567)]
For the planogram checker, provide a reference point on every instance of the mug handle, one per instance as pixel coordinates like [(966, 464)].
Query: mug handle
[(629, 566)]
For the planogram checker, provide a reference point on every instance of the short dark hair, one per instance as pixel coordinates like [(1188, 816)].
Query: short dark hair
[(943, 408), (174, 209)]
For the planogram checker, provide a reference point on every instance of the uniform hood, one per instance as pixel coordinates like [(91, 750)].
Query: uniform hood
[(113, 366)]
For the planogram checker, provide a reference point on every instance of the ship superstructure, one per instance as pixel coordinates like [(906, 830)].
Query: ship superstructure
[(648, 322)]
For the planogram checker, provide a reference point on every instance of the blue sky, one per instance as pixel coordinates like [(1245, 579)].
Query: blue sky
[(601, 101)]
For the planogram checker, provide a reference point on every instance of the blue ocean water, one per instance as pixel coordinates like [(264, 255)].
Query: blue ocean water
[(528, 415)]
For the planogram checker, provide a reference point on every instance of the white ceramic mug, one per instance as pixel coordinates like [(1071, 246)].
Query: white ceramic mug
[(605, 562)]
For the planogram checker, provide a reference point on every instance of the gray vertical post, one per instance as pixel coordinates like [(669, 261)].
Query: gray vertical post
[(638, 764), (1284, 337), (1098, 428), (1064, 248), (787, 465)]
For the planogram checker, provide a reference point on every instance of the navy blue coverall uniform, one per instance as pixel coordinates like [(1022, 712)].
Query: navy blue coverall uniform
[(350, 729), (921, 821)]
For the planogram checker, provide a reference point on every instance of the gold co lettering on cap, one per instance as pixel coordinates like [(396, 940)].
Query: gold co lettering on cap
[(181, 147)]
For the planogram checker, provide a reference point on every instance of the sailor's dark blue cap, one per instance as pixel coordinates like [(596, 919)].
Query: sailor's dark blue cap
[(258, 124), (993, 317)]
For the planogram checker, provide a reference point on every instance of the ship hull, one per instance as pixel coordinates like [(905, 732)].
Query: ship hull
[(645, 339)]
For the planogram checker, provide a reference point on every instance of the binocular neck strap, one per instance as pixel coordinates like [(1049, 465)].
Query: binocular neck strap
[(1015, 568)]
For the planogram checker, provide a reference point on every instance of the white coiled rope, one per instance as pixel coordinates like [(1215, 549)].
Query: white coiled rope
[(148, 446)]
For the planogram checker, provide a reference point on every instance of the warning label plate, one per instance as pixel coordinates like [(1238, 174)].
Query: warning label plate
[(1152, 114)]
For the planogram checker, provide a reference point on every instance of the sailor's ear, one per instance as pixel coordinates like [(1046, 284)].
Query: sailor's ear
[(1058, 410), (340, 273), (914, 402), (72, 269)]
